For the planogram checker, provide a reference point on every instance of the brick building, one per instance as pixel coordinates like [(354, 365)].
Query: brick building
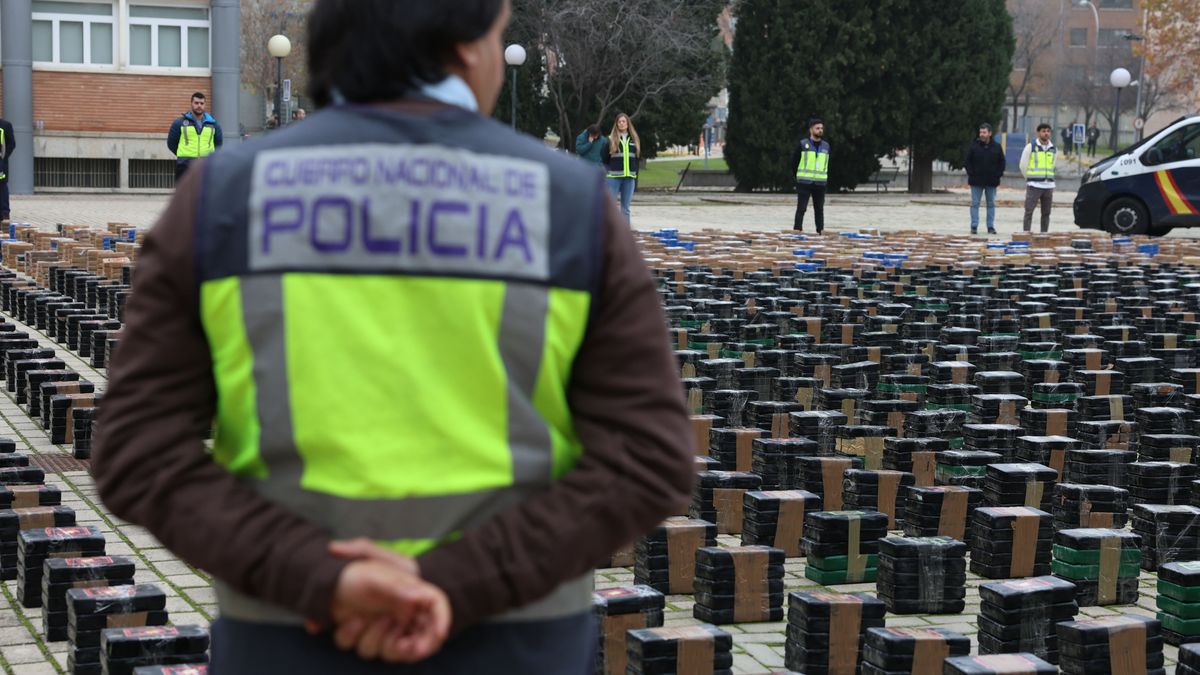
[(1071, 70), (106, 79)]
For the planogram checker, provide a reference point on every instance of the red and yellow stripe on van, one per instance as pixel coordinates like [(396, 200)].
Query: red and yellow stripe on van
[(1171, 193)]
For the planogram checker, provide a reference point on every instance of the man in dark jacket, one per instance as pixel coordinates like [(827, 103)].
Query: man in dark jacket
[(985, 168), (8, 143), (1093, 135)]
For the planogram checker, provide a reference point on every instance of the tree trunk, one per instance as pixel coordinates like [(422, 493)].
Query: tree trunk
[(920, 179)]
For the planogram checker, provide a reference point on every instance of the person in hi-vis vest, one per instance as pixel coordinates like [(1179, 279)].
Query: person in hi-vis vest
[(195, 134), (1037, 163), (8, 143), (434, 363), (810, 161)]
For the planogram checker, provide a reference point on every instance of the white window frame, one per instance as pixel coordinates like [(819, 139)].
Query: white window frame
[(87, 20), (128, 22)]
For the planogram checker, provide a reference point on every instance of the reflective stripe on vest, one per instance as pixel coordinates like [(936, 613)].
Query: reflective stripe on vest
[(814, 166), (399, 383), (627, 171), (194, 145), (1041, 164)]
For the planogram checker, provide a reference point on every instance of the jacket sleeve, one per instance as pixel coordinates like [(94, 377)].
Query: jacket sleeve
[(1001, 161), (636, 468), (218, 135), (10, 140), (150, 463), (173, 136), (794, 160), (1025, 161), (582, 145), (969, 162), (605, 151)]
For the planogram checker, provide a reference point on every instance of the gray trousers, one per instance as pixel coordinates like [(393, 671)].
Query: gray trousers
[(1032, 197)]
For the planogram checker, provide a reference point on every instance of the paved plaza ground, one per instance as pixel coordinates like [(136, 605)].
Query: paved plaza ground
[(758, 647)]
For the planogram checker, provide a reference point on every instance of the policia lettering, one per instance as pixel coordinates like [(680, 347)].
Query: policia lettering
[(341, 281), (1041, 164)]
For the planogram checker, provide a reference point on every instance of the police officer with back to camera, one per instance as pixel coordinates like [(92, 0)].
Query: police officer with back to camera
[(811, 162), (439, 369)]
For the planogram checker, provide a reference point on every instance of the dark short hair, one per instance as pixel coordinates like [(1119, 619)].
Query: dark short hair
[(985, 125), (380, 50), (199, 95), (814, 121), (1043, 125), (594, 130)]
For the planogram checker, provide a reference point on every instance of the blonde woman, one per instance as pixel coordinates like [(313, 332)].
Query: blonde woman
[(620, 156)]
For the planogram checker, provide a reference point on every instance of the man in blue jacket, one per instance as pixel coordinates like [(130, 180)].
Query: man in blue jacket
[(194, 135)]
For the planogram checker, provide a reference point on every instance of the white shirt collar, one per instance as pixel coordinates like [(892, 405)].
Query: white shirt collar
[(452, 91)]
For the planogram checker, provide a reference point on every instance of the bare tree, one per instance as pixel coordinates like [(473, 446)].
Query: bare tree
[(1035, 31), (609, 56), (262, 19)]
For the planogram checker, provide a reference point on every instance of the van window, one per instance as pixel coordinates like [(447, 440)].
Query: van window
[(1178, 146)]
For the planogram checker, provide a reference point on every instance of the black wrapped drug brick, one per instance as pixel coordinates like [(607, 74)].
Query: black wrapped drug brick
[(1163, 420), (32, 387), (15, 356), (769, 459), (1019, 485), (63, 574), (943, 510), (864, 442), (826, 631), (998, 408), (1100, 382), (967, 468), (1011, 542), (917, 456), (1020, 615), (34, 546), (679, 649), (739, 585), (823, 476), (1169, 533), (911, 650), (729, 404), (48, 390), (922, 575), (733, 447), (92, 610), (617, 611), (772, 416), (1075, 506), (719, 497), (842, 547), (1113, 644), (62, 415), (819, 425), (665, 559), (1167, 483), (776, 518), (877, 490)]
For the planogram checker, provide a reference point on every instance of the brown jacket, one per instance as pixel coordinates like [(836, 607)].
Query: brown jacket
[(151, 466)]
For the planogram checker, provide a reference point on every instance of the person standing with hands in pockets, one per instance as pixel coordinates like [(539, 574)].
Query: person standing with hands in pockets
[(621, 155)]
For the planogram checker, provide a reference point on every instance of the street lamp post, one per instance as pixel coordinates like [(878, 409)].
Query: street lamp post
[(1120, 78), (514, 56), (279, 47), (1141, 83)]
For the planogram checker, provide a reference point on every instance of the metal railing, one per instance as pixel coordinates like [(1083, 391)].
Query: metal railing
[(74, 172), (151, 174)]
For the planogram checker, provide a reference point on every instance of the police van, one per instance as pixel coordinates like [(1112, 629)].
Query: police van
[(1148, 188)]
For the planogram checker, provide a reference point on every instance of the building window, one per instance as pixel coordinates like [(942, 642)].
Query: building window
[(76, 172), (168, 37), (1110, 37), (1116, 4), (76, 33), (1079, 37)]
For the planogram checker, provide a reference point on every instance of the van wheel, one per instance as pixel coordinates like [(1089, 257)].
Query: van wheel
[(1126, 216)]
